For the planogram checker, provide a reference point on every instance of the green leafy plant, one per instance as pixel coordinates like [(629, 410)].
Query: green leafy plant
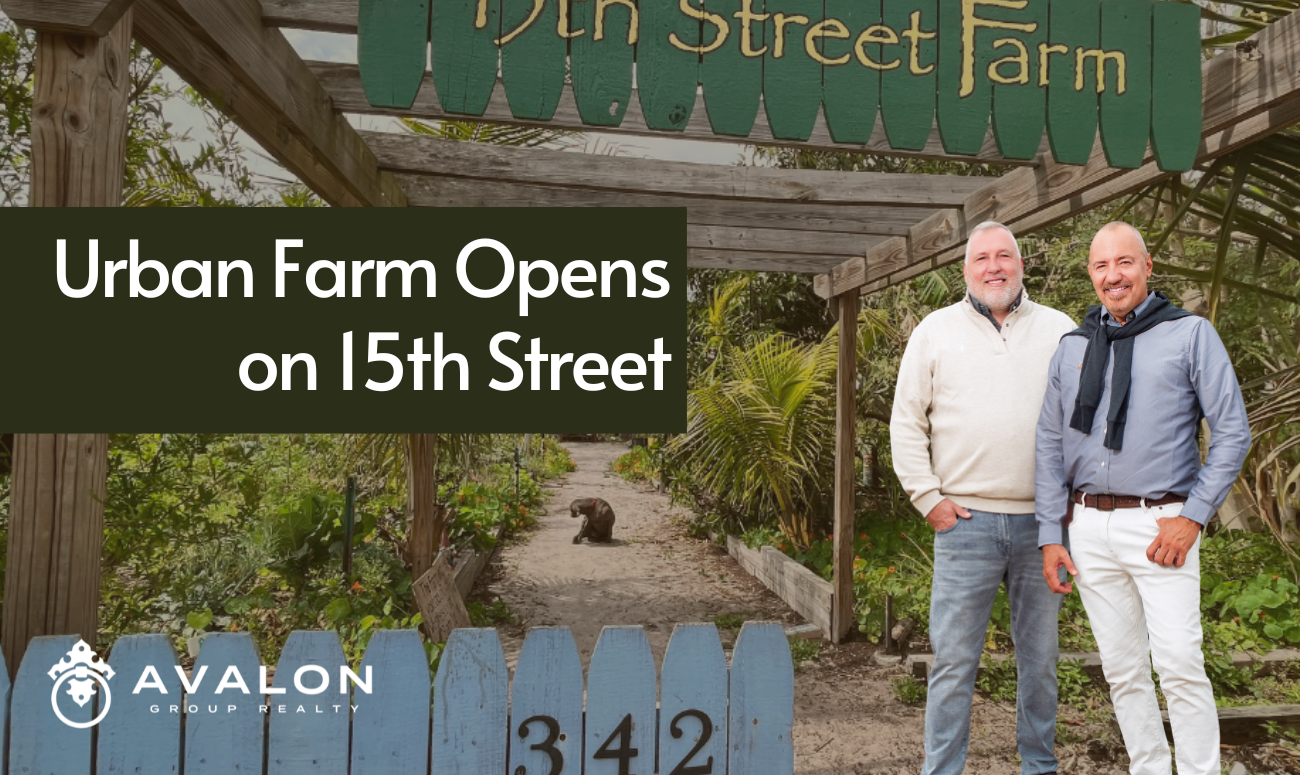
[(804, 650), (909, 690)]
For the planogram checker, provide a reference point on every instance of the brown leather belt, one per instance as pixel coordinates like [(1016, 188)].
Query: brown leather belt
[(1108, 502)]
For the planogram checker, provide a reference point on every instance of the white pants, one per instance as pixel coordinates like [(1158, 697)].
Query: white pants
[(1137, 607)]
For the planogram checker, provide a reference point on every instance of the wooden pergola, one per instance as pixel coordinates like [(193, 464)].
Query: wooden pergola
[(853, 233)]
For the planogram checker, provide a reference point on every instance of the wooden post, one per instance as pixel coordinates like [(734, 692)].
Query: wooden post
[(846, 413), (56, 531), (83, 85), (424, 517)]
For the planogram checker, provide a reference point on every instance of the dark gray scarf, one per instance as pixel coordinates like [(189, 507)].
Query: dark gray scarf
[(1092, 379)]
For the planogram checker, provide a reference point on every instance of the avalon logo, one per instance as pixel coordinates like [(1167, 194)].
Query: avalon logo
[(81, 669)]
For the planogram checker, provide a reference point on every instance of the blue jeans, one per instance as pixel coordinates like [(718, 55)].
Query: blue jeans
[(971, 560)]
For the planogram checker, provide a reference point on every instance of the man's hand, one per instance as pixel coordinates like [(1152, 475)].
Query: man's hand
[(944, 515), (1055, 557), (1177, 535)]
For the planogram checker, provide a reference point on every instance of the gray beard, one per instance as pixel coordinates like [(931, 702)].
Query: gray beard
[(998, 301)]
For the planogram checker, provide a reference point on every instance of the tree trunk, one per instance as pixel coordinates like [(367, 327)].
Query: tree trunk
[(56, 535), (425, 518)]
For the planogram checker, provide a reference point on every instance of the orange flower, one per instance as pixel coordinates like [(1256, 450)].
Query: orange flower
[(891, 568), (863, 536), (357, 587)]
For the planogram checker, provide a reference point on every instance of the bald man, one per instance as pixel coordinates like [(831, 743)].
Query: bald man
[(1117, 448)]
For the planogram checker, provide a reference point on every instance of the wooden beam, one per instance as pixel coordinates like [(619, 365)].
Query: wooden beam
[(82, 87), (1248, 94), (846, 425), (437, 191), (319, 15), (343, 82), (252, 73), (56, 532), (826, 244), (71, 17), (759, 261), (431, 155)]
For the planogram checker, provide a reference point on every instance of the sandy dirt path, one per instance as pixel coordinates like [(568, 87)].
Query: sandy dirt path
[(847, 718)]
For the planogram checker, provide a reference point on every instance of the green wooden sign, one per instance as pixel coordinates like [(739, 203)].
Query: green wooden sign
[(1127, 69)]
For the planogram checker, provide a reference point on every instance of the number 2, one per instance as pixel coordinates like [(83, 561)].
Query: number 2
[(706, 731)]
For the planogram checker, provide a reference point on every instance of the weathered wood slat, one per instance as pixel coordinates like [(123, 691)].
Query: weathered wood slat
[(1246, 96), (851, 91), (343, 83), (131, 721), (533, 62), (438, 191), (757, 261), (1020, 109), (470, 706), (762, 701), (38, 741), (224, 734), (223, 50), (546, 704), (1238, 726), (392, 46), (668, 76), (315, 742), (732, 81), (825, 244), (1126, 118), (807, 593), (792, 81), (391, 735), (601, 69), (419, 153), (909, 84), (1072, 113), (962, 108), (463, 53), (72, 17), (621, 690), (845, 489), (692, 701), (1176, 85)]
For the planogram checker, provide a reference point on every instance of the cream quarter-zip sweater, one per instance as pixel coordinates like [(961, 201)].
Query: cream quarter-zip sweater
[(967, 403)]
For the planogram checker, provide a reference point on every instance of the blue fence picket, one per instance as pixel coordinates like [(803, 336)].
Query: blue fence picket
[(546, 705), (39, 741), (469, 704), (762, 702), (693, 701), (5, 690), (223, 725), (620, 734), (142, 736), (314, 742), (390, 726)]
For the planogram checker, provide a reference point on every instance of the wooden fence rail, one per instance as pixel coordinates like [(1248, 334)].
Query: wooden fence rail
[(71, 714)]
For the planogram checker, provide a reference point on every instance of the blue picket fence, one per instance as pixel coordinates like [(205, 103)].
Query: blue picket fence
[(318, 716)]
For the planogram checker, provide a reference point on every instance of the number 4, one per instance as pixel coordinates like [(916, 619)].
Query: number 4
[(624, 752)]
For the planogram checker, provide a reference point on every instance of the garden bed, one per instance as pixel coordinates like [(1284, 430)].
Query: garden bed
[(801, 589)]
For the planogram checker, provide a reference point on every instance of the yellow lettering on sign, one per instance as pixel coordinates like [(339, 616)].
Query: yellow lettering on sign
[(1021, 58), (829, 28), (778, 48), (970, 22), (914, 36), (746, 15), (480, 15), (562, 26), (717, 20), (1081, 53), (601, 5), (876, 33), (517, 31), (1043, 51)]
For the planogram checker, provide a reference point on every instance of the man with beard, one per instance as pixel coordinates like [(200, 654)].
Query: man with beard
[(1117, 444), (969, 389)]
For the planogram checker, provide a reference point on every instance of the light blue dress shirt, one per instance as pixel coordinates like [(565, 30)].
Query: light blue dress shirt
[(1181, 371)]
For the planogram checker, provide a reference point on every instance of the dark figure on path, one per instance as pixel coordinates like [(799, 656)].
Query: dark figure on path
[(597, 520)]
